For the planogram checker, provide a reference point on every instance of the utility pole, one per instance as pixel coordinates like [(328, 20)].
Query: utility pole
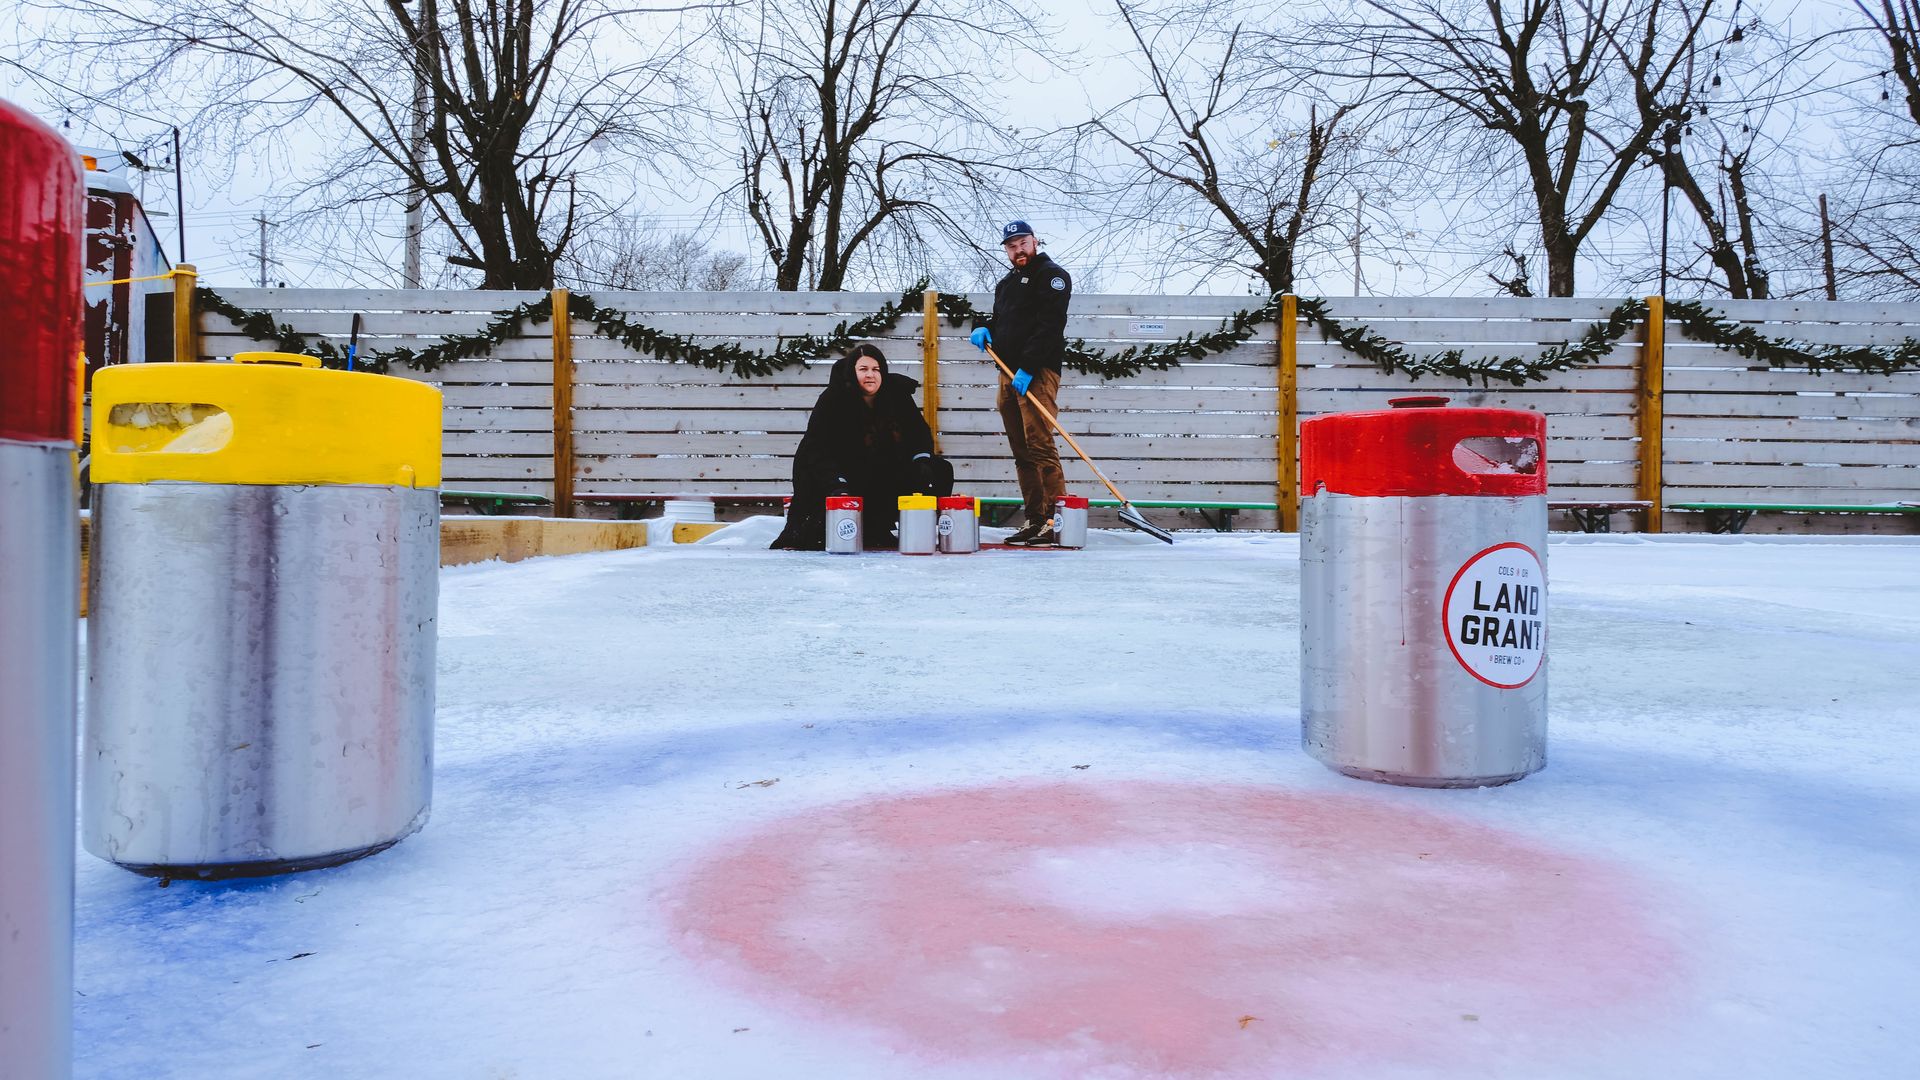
[(179, 196), (423, 50), (1359, 208), (1826, 248), (1671, 140), (262, 219)]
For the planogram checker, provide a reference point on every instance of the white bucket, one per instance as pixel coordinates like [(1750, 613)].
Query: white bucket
[(674, 511)]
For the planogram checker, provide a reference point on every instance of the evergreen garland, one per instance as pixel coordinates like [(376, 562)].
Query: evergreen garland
[(744, 363), (1696, 322), (261, 326), (1134, 359), (1389, 356), (501, 329), (1699, 322)]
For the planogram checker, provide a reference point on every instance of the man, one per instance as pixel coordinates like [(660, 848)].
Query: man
[(1029, 332)]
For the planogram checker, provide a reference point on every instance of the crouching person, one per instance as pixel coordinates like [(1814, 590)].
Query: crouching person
[(866, 437)]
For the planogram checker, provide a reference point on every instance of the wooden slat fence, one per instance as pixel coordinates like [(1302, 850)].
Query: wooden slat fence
[(1733, 430), (1738, 431)]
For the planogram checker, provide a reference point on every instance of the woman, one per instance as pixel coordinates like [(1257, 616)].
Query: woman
[(866, 437)]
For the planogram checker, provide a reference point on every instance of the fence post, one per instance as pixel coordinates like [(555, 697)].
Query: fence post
[(186, 317), (1653, 379), (1287, 491), (562, 406), (930, 362)]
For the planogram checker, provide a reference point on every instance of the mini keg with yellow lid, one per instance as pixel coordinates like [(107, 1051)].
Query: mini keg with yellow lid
[(260, 683)]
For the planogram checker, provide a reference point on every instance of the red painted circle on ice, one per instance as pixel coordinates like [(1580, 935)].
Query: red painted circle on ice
[(1136, 927)]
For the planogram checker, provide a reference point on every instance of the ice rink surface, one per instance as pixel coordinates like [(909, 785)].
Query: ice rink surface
[(714, 811)]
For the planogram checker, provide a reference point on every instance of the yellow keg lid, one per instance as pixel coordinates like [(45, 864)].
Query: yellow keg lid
[(267, 418), (917, 502)]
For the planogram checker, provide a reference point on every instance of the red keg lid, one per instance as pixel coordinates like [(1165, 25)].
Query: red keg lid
[(1421, 449), (956, 502), (1074, 502), (843, 502), (42, 198)]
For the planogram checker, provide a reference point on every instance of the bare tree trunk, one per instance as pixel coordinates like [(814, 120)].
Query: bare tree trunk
[(1256, 209), (1756, 277), (862, 124), (1555, 79), (483, 114), (1720, 249)]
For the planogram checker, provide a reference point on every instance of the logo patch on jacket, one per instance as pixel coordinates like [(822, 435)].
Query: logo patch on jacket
[(1059, 284)]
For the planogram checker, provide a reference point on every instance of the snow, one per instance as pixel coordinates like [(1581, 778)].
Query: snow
[(714, 811)]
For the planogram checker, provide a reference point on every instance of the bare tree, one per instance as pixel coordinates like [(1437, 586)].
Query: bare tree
[(1723, 203), (1877, 223), (1747, 81), (496, 114), (1210, 141), (1520, 283), (623, 253), (1896, 23), (864, 124), (1555, 81)]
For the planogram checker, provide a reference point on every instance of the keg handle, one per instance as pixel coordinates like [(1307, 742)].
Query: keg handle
[(165, 427), (1498, 455), (278, 359)]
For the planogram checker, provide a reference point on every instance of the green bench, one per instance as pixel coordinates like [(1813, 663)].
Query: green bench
[(1732, 517), (628, 506), (1596, 516), (493, 502), (1218, 515), (1592, 516)]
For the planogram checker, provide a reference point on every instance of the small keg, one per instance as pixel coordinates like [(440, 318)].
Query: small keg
[(843, 524), (1070, 521), (919, 526), (959, 525), (261, 640), (1423, 594), (42, 223)]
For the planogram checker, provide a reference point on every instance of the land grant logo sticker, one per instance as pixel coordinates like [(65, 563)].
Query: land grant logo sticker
[(1496, 615)]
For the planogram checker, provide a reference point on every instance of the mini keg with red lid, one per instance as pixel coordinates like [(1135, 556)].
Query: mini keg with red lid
[(1423, 589)]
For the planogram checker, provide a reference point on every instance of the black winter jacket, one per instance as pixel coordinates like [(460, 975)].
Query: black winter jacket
[(1030, 315), (869, 450)]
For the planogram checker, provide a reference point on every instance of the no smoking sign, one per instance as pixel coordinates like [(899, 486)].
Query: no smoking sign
[(1496, 615)]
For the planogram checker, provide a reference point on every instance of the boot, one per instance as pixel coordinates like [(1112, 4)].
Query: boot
[(1038, 533), (1031, 531)]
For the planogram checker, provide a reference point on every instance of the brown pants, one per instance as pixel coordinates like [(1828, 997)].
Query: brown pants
[(1035, 459)]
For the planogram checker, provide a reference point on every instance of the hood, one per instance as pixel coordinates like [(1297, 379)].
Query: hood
[(842, 378)]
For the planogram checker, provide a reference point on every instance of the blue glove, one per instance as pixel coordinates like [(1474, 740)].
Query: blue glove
[(1021, 380), (981, 338)]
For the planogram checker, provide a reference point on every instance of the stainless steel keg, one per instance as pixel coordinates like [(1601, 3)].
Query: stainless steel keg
[(263, 617), (1423, 594), (919, 528), (1070, 521), (959, 525), (844, 536), (42, 224)]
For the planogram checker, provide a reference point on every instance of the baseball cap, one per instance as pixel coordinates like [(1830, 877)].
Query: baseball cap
[(1015, 228)]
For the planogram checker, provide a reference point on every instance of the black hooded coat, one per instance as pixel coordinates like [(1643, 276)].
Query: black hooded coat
[(863, 449)]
